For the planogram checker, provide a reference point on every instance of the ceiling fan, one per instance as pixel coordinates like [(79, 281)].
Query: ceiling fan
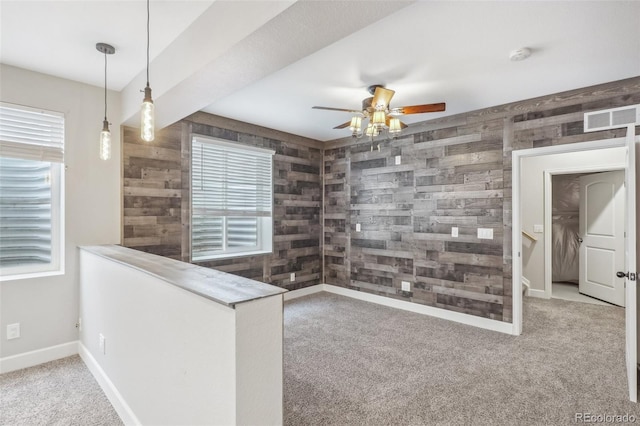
[(381, 116)]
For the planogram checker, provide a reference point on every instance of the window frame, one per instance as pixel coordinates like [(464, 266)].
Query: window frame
[(264, 233), (57, 181)]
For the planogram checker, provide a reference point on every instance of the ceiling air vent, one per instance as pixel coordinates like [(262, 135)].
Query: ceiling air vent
[(614, 118)]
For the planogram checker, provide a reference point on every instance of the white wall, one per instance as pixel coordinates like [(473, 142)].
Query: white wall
[(47, 307), (532, 196), (173, 357)]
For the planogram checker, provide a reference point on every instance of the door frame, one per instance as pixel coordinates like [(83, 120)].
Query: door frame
[(548, 213), (516, 225)]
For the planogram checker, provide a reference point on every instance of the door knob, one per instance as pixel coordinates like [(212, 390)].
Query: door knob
[(621, 274), (579, 240)]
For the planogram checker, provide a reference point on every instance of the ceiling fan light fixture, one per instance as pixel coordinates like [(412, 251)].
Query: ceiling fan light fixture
[(394, 125), (372, 130), (356, 124), (379, 118)]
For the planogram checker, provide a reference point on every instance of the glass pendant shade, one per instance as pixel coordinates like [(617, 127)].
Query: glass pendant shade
[(356, 124), (147, 116), (372, 130), (105, 141), (394, 125), (378, 118)]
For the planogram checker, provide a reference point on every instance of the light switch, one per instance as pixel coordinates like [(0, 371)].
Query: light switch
[(538, 229), (358, 227), (454, 231), (485, 233), (398, 160)]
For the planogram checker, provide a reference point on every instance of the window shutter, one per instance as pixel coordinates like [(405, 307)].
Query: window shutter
[(30, 133), (231, 189)]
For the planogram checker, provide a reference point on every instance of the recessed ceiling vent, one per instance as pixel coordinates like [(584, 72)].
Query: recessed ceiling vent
[(614, 118)]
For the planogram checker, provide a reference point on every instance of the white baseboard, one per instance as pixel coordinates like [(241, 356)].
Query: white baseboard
[(294, 294), (119, 404), (40, 356), (486, 323), (532, 292)]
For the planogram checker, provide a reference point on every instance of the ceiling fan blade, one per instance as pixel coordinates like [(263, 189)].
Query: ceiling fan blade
[(353, 111), (343, 125), (419, 109), (382, 97)]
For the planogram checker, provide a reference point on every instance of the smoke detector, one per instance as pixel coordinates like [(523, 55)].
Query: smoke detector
[(520, 54)]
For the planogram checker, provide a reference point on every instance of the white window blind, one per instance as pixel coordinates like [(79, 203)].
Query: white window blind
[(31, 155), (30, 133), (231, 199)]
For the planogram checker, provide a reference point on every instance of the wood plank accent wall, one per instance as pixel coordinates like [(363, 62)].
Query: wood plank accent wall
[(454, 171), (157, 198)]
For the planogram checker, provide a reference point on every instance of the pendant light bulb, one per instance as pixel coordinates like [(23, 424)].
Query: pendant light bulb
[(147, 112), (105, 141), (147, 115)]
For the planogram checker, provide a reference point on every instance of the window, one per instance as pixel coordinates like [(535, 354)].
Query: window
[(231, 199), (31, 156)]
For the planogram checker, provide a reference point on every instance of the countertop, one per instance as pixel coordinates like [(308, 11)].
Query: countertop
[(221, 287)]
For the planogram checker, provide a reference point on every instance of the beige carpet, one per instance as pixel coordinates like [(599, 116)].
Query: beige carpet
[(349, 362), (61, 392)]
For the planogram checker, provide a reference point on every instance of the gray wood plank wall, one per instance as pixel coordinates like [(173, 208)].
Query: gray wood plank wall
[(156, 198), (454, 171)]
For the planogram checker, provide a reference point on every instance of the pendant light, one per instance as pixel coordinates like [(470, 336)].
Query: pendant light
[(105, 134), (147, 116)]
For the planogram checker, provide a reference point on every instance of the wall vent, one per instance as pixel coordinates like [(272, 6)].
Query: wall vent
[(613, 118)]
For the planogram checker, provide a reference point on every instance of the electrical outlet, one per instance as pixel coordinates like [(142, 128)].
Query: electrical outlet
[(398, 160), (454, 231), (406, 286), (292, 277), (358, 227), (538, 229), (13, 331), (102, 342)]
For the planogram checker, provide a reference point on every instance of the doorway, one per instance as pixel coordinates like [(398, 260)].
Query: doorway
[(584, 215), (520, 197)]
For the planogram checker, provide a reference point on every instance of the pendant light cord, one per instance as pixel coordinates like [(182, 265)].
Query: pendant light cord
[(148, 43), (105, 85)]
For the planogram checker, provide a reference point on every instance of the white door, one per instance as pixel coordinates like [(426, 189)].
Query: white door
[(630, 268), (602, 224)]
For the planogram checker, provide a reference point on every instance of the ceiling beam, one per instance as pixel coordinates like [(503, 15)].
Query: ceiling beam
[(233, 44)]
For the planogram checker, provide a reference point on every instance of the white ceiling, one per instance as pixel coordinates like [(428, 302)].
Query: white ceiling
[(269, 62)]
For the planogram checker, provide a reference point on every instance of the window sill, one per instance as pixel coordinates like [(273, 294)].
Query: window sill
[(25, 276), (225, 256)]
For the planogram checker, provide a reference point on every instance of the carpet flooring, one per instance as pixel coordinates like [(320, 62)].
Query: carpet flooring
[(61, 392), (349, 362)]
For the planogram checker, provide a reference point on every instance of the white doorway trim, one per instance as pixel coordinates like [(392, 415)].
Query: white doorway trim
[(548, 174), (516, 235)]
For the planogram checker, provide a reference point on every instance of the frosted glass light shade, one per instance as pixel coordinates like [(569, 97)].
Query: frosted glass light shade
[(147, 117), (394, 125), (105, 142), (372, 130), (356, 124), (378, 118)]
